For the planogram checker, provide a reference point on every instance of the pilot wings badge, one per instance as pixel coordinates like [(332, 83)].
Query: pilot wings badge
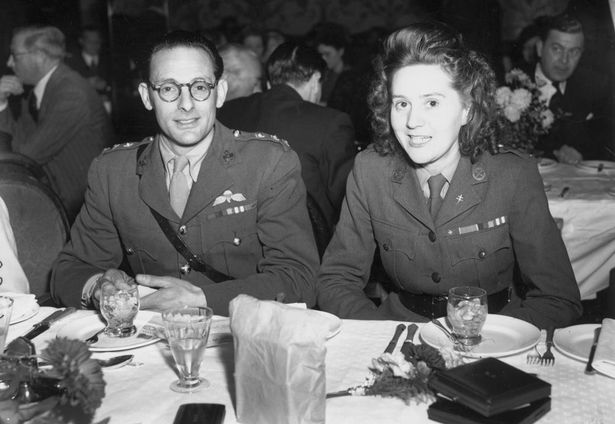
[(228, 196)]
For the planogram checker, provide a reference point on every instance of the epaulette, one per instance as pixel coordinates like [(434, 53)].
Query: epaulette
[(514, 151), (249, 136), (127, 146)]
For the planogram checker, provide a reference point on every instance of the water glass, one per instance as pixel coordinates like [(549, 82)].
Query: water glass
[(187, 331), (119, 305), (6, 308), (467, 311)]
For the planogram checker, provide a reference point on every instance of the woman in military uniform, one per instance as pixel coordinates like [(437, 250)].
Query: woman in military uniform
[(441, 207)]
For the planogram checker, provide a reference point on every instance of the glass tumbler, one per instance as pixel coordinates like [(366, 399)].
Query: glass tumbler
[(119, 305), (467, 311), (187, 331)]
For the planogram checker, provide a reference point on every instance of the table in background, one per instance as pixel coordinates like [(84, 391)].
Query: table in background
[(141, 394), (588, 213)]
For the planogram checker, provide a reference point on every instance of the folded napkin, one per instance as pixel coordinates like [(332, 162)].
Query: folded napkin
[(604, 358), (23, 305), (279, 362)]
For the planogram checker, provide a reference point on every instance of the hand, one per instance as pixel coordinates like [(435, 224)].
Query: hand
[(10, 85), (569, 155), (172, 292), (118, 278)]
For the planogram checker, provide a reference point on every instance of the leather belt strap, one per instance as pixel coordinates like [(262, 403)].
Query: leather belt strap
[(434, 306)]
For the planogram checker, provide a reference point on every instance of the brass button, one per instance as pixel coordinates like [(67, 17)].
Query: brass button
[(236, 241), (435, 276), (432, 236), (1, 281), (482, 254), (130, 251), (386, 247), (0, 264), (185, 269), (183, 230)]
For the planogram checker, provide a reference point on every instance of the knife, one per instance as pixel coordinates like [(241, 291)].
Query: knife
[(44, 325), (588, 368)]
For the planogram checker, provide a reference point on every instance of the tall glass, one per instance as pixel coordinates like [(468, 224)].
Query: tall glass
[(187, 330), (119, 305), (6, 308), (467, 311)]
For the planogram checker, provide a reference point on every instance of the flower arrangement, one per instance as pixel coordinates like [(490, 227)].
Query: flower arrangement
[(522, 115), (405, 374), (70, 390)]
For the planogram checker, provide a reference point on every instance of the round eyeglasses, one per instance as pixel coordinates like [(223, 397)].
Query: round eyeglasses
[(169, 91)]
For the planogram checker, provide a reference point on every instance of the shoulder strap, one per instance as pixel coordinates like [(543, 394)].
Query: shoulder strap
[(194, 261)]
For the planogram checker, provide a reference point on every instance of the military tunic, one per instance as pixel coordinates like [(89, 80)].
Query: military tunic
[(494, 216), (245, 217)]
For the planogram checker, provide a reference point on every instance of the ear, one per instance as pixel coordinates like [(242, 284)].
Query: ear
[(221, 90), (144, 92), (539, 45)]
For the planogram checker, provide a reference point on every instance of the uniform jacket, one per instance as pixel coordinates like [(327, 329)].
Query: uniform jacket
[(494, 212), (322, 137), (246, 218), (72, 129)]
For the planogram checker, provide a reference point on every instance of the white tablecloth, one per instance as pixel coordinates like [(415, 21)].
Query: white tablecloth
[(588, 211), (141, 394)]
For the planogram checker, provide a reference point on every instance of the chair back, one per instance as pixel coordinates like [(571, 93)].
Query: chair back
[(16, 163), (39, 224), (320, 228)]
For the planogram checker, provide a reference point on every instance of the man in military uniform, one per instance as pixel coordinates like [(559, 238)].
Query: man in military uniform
[(199, 213)]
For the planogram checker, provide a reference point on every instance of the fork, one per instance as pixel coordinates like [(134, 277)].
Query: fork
[(457, 345), (547, 357), (533, 357)]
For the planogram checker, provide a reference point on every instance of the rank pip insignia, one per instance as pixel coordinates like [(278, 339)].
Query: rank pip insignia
[(459, 198)]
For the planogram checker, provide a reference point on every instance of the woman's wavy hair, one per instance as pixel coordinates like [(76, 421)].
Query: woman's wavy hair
[(435, 43)]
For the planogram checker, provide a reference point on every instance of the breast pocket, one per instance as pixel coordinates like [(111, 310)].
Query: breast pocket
[(397, 246), (484, 257)]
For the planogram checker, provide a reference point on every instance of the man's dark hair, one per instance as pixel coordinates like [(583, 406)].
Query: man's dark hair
[(294, 63), (190, 39), (563, 22)]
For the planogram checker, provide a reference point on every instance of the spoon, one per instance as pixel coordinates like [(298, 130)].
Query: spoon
[(115, 361)]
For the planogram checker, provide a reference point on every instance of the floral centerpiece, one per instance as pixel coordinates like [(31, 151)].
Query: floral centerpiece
[(69, 390), (405, 374), (522, 115)]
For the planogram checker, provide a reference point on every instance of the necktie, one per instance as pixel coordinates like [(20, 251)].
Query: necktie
[(556, 101), (32, 105), (435, 183), (178, 189)]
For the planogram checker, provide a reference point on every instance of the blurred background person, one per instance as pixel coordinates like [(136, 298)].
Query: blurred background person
[(62, 122), (273, 38), (253, 39), (242, 70)]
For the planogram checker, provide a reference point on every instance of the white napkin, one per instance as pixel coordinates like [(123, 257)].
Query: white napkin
[(604, 358), (23, 304)]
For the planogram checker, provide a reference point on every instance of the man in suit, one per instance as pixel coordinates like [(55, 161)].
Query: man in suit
[(62, 122), (579, 98), (199, 212), (322, 137), (90, 62)]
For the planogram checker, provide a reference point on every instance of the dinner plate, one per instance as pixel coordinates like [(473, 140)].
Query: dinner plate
[(335, 324), (501, 336), (84, 327), (546, 164), (24, 306), (575, 341), (597, 166)]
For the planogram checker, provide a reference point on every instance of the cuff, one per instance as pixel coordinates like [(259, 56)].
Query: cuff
[(87, 300)]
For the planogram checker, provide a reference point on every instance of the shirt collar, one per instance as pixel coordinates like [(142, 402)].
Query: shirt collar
[(89, 58), (39, 88), (545, 83), (423, 175), (195, 157)]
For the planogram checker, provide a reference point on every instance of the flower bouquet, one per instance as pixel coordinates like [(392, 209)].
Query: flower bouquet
[(405, 374), (522, 115), (69, 390)]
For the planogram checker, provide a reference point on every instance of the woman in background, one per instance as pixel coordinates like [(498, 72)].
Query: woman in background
[(443, 210)]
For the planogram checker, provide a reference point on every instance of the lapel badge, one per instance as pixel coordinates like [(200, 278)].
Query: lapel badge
[(228, 157), (227, 196), (398, 174), (459, 198), (478, 173)]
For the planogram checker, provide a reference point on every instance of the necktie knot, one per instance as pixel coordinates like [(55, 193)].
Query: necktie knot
[(179, 189), (556, 99), (435, 183)]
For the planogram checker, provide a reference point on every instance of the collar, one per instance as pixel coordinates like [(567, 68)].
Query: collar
[(39, 88), (195, 157), (423, 175), (545, 85), (89, 58)]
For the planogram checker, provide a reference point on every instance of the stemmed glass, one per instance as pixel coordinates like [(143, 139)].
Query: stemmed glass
[(119, 305), (187, 331), (467, 312)]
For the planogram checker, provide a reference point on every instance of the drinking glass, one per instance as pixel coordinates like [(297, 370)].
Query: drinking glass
[(6, 308), (187, 331), (119, 304), (467, 311)]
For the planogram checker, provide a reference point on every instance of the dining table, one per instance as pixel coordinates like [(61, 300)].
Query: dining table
[(139, 392), (582, 200)]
